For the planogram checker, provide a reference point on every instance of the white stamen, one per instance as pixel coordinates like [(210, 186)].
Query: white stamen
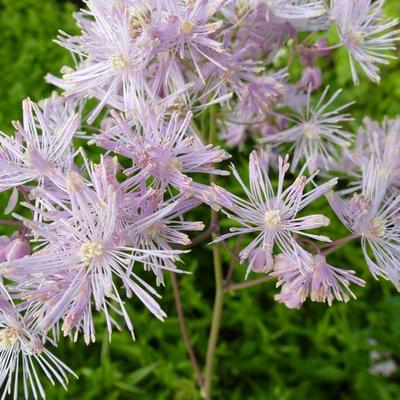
[(118, 62), (378, 227), (310, 132), (8, 337), (272, 218), (89, 251), (187, 27)]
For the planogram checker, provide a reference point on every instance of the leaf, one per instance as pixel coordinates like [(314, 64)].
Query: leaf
[(140, 374)]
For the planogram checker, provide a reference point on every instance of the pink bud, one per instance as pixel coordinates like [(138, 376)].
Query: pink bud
[(281, 122), (262, 260), (17, 249), (4, 242), (311, 79), (289, 299), (321, 45), (268, 130), (308, 56)]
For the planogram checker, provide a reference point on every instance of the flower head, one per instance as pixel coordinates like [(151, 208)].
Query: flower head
[(83, 253), (316, 133), (378, 141), (40, 150), (272, 214), (189, 32), (374, 215), (111, 60), (22, 350), (365, 35), (304, 275), (164, 148)]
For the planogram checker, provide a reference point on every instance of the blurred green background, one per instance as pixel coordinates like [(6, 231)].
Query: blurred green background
[(265, 351)]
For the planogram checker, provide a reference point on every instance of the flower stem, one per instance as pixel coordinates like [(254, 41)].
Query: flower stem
[(203, 236), (219, 287), (235, 260), (327, 48), (248, 284), (331, 247), (184, 330), (216, 322), (11, 222)]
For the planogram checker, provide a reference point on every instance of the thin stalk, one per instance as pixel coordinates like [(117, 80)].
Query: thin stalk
[(327, 48), (203, 236), (235, 260), (216, 322), (248, 284), (184, 330), (11, 222), (331, 247), (219, 290), (232, 252), (344, 240)]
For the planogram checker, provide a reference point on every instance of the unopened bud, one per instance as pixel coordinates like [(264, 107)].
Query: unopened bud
[(311, 79), (262, 260), (4, 242), (17, 249)]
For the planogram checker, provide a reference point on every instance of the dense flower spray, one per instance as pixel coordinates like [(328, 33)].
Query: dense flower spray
[(97, 230)]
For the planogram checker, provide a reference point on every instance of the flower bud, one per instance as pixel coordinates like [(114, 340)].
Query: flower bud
[(311, 79), (281, 122), (321, 45), (268, 130), (308, 56), (106, 124), (289, 299), (17, 249), (262, 260), (4, 242)]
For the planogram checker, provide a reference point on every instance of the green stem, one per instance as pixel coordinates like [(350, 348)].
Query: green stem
[(216, 322), (219, 288)]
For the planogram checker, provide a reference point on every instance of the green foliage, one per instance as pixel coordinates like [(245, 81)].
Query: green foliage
[(27, 52), (265, 351)]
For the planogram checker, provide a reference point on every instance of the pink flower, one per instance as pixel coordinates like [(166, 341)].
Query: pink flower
[(271, 214), (303, 275), (22, 353), (165, 149), (40, 149), (364, 33), (317, 133), (374, 215), (82, 248)]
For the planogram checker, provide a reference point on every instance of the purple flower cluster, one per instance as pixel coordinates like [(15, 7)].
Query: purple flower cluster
[(96, 225)]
